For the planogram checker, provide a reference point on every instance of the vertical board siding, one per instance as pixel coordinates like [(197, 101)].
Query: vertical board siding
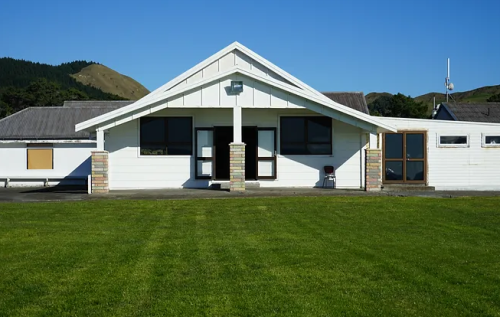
[(471, 168), (254, 94), (129, 170)]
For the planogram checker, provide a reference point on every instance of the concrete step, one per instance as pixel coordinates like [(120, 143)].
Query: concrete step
[(407, 188), (225, 185)]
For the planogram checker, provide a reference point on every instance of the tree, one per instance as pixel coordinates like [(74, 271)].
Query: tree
[(494, 98), (398, 106), (5, 109)]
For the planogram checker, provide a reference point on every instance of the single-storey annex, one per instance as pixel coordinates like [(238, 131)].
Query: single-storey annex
[(236, 119), (40, 146)]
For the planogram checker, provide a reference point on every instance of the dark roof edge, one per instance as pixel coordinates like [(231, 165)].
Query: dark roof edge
[(449, 111)]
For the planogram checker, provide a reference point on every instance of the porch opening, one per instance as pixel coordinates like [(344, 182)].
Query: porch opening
[(222, 137)]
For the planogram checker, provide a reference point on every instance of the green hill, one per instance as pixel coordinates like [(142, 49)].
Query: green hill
[(481, 94), (110, 81), (27, 84)]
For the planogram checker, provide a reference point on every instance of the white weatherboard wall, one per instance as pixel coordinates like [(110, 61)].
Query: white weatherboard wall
[(70, 159), (127, 169), (470, 168)]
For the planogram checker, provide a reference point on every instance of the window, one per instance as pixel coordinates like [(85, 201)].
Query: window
[(40, 156), (453, 141), (491, 140), (166, 136), (306, 135)]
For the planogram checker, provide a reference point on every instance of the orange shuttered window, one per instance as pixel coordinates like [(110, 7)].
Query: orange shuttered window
[(40, 159)]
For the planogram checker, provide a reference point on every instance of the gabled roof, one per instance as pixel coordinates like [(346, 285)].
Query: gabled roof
[(44, 123), (275, 78), (353, 100), (473, 112)]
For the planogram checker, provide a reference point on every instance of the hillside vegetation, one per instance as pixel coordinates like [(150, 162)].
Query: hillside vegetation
[(26, 84), (110, 81), (479, 95)]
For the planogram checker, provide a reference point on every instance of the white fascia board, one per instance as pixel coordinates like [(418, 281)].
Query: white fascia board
[(278, 70), (144, 103), (49, 141), (162, 94), (193, 70), (157, 92), (330, 104), (139, 103)]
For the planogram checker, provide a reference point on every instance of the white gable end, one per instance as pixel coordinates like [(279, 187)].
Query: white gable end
[(235, 58), (255, 95), (207, 85)]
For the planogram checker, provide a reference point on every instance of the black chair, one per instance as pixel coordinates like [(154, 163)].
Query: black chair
[(329, 176)]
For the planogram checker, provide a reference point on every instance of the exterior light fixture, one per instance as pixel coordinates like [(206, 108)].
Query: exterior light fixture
[(236, 86)]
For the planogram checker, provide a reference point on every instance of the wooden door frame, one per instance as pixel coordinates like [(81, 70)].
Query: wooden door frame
[(196, 158), (404, 159), (272, 158)]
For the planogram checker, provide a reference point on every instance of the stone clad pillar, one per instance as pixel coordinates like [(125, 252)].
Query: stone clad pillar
[(100, 183), (373, 170), (237, 167)]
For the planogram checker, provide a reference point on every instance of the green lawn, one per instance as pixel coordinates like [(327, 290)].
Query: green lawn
[(340, 256)]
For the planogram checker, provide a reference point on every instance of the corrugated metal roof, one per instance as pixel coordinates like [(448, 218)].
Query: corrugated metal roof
[(354, 100), (53, 122), (475, 112)]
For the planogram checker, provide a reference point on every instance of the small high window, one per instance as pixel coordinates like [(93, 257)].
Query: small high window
[(491, 140), (166, 136), (306, 135), (40, 156), (453, 141)]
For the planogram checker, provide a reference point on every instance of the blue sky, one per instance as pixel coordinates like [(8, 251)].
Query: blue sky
[(391, 45)]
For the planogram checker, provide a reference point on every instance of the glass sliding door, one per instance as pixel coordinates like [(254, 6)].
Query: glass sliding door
[(404, 157), (266, 153), (205, 154)]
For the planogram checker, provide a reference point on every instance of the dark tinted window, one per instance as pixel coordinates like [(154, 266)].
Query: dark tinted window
[(393, 146), (293, 130), (492, 140), (166, 136), (393, 170), (453, 140), (306, 135), (179, 129), (153, 129), (414, 171), (414, 146), (319, 130)]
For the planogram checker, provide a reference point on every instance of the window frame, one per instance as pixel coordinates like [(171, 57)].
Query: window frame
[(483, 140), (39, 146), (465, 145), (166, 143), (306, 141)]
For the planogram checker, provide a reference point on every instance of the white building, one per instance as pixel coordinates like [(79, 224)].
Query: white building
[(40, 146), (237, 118)]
